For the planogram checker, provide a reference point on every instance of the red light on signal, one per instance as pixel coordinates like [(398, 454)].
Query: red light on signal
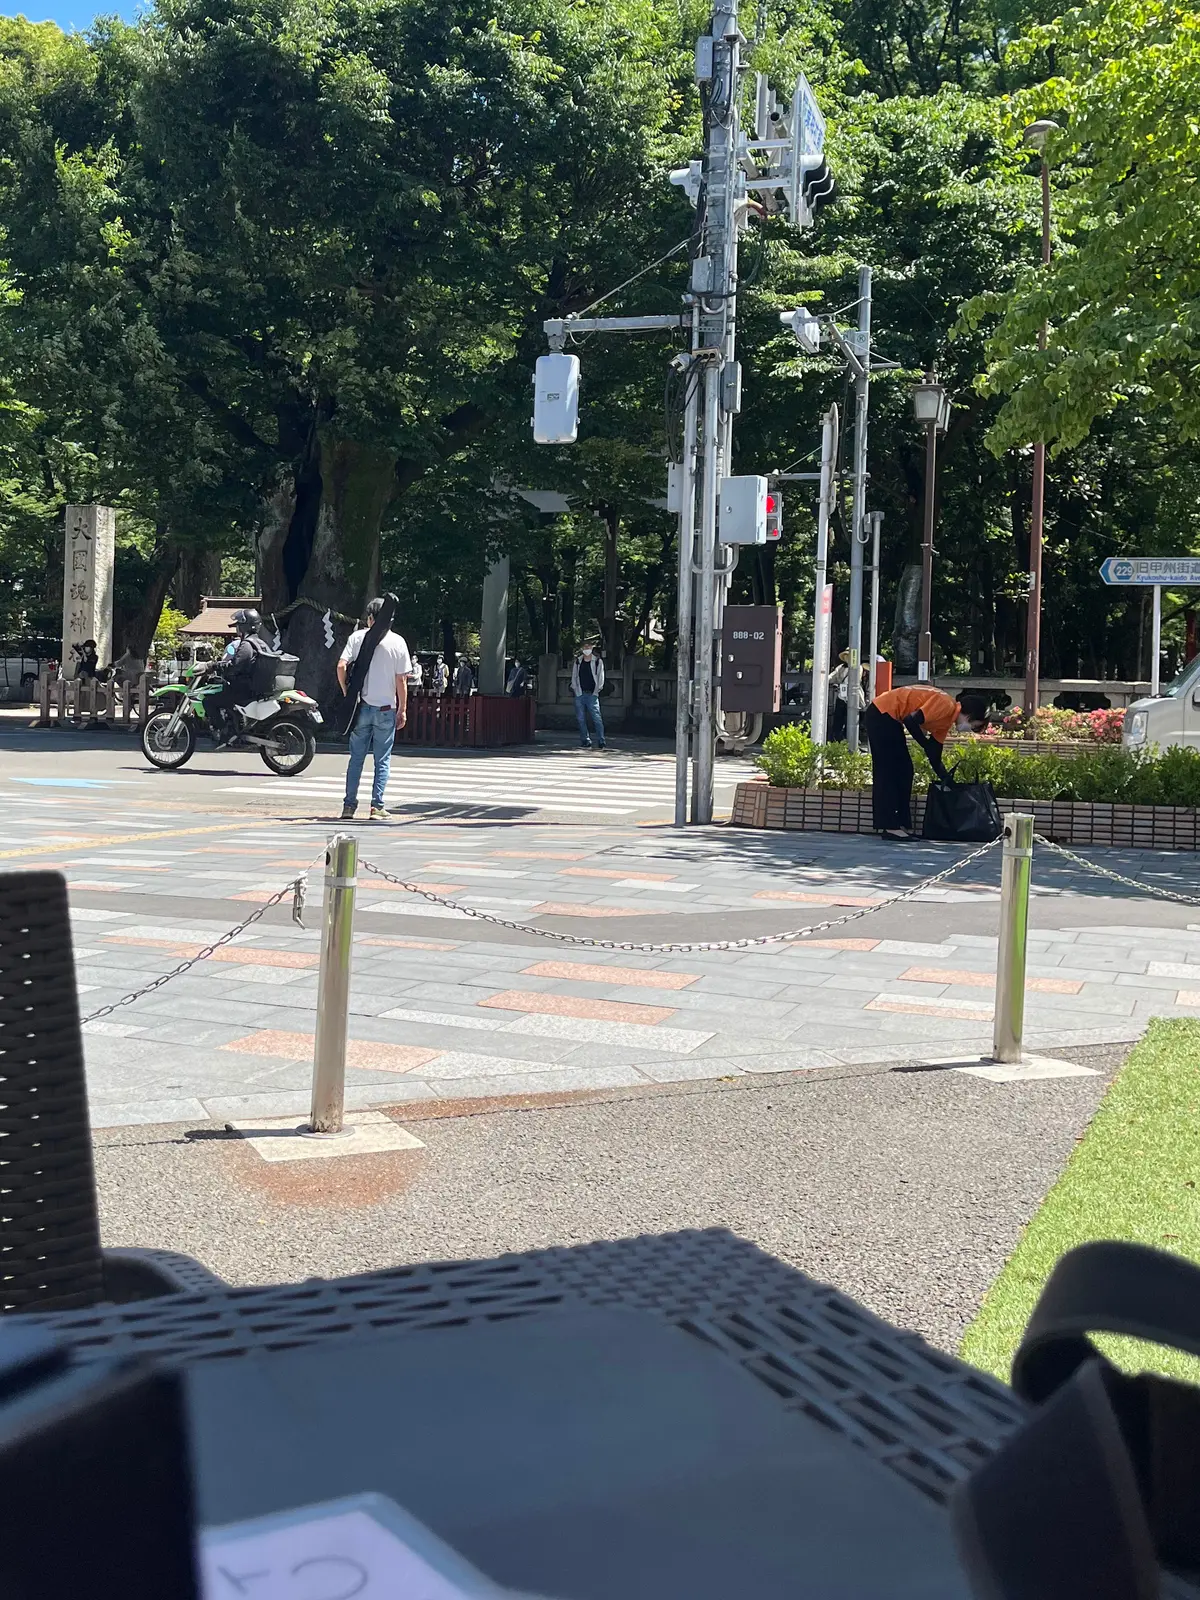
[(770, 505)]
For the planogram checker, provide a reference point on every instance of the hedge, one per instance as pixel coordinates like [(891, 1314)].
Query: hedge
[(1109, 773)]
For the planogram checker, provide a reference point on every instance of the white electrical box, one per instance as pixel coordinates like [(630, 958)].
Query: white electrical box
[(675, 486), (742, 510), (556, 399)]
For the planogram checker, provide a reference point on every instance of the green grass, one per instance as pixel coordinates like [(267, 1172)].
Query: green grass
[(1133, 1175)]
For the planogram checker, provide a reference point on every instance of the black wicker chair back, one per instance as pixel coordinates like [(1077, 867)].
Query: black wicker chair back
[(49, 1232)]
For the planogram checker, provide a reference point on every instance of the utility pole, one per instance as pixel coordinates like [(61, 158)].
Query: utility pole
[(862, 380), (714, 282), (822, 620), (1036, 135)]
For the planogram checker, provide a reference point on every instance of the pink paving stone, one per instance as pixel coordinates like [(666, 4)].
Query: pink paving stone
[(615, 872), (1188, 997), (409, 944), (567, 908), (243, 957), (987, 980), (914, 1008), (541, 855), (819, 899), (594, 972), (258, 897), (569, 1005), (836, 944), (359, 1052)]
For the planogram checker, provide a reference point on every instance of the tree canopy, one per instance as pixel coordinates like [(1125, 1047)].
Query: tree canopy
[(274, 274)]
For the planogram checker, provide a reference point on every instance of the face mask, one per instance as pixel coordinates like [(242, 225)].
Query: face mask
[(587, 655)]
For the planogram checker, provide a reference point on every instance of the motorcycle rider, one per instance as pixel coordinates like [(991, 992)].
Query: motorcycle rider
[(239, 668)]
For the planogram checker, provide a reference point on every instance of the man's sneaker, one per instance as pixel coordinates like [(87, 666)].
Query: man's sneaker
[(379, 814), (348, 812)]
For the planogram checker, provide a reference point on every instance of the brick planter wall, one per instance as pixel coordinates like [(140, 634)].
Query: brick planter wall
[(759, 805)]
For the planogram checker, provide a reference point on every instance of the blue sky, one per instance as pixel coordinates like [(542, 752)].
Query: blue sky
[(74, 13)]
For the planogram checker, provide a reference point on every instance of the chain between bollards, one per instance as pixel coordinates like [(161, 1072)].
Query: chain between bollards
[(333, 987), (1016, 869)]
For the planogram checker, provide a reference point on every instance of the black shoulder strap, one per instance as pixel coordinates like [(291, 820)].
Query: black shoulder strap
[(358, 668), (1103, 1483)]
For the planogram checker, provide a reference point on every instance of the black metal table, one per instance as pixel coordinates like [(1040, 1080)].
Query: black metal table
[(923, 1414)]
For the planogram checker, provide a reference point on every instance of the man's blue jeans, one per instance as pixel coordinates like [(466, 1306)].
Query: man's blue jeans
[(374, 730), (588, 705)]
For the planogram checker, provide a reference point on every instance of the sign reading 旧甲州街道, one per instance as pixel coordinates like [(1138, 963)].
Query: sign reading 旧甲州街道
[(1155, 570)]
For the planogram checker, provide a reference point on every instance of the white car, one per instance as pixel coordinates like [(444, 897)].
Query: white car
[(1172, 718)]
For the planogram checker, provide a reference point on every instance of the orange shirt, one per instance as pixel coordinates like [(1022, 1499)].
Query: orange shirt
[(940, 710)]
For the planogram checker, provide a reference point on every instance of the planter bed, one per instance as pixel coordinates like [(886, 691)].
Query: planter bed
[(760, 805), (1029, 747)]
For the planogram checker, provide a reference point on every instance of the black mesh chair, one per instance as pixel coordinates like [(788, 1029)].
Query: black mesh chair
[(50, 1255)]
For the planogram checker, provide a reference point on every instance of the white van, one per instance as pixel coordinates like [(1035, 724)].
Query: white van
[(1172, 718)]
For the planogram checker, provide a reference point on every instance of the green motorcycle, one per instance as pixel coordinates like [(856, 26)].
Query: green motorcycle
[(279, 725)]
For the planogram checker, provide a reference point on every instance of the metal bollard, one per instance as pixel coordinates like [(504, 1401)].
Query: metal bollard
[(1009, 1026), (333, 987)]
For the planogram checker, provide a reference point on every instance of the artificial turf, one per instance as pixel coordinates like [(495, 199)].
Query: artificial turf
[(1133, 1175)]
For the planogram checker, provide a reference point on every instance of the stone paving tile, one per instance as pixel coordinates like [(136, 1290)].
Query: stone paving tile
[(933, 1006), (568, 1079), (986, 980), (145, 1113), (564, 1005), (362, 1053), (573, 908), (661, 1039), (596, 972)]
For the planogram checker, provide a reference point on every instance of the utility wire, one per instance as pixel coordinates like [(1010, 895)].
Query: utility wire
[(673, 251)]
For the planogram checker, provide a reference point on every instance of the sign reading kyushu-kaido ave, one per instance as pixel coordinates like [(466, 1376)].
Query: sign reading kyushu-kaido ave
[(88, 555)]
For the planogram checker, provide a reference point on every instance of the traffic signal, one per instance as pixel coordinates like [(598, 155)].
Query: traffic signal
[(817, 190), (774, 516)]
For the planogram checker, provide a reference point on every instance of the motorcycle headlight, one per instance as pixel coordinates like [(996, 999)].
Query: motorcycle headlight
[(1135, 728)]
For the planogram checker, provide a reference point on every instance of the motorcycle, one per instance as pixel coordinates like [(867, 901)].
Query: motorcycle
[(279, 725)]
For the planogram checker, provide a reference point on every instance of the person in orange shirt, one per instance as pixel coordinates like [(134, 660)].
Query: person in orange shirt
[(929, 715)]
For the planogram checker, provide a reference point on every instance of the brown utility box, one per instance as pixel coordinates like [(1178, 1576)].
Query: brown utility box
[(751, 658)]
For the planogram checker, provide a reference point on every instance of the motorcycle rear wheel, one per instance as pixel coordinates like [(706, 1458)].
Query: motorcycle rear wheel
[(168, 753), (291, 749)]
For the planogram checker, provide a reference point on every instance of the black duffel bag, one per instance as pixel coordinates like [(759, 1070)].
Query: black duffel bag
[(965, 813)]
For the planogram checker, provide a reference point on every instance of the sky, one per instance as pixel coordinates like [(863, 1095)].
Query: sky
[(74, 13)]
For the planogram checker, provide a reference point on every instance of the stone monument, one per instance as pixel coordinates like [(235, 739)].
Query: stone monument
[(88, 555)]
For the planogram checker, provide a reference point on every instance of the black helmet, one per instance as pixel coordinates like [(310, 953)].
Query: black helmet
[(246, 622)]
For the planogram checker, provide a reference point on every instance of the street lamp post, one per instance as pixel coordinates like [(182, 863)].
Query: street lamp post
[(1035, 136), (931, 408)]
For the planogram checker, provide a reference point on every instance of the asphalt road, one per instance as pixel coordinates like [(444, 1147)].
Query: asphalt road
[(906, 1189)]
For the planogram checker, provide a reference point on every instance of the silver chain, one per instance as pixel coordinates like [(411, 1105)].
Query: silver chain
[(296, 888), (1118, 877), (684, 949)]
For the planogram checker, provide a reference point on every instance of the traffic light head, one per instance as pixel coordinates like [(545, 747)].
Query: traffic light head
[(817, 190), (774, 516)]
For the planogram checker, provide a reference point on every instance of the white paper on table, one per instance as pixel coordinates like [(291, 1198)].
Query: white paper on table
[(362, 1548)]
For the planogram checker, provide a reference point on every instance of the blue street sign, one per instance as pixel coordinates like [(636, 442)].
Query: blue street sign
[(1170, 572)]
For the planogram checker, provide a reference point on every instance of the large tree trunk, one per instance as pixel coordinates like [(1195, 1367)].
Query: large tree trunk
[(135, 631), (341, 572), (199, 575)]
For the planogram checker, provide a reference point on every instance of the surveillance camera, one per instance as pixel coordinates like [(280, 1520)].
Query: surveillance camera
[(681, 361)]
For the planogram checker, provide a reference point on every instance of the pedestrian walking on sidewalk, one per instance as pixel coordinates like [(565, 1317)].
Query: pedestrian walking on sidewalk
[(382, 709), (929, 715), (587, 680)]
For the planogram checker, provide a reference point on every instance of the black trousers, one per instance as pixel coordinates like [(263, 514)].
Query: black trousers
[(891, 771)]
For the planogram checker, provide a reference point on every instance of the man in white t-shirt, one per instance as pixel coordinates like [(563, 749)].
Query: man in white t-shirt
[(382, 710)]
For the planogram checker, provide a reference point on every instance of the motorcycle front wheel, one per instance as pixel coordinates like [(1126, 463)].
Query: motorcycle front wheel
[(291, 749), (168, 750)]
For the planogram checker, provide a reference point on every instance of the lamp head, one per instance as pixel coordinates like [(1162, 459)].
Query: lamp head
[(1037, 133)]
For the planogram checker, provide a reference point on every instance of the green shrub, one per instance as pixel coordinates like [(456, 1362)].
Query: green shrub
[(1104, 773), (788, 756)]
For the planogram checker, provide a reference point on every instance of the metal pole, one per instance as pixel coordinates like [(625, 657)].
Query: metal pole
[(819, 715), (724, 182), (859, 504), (684, 609), (1009, 1024), (1037, 509), (702, 773), (1156, 643), (333, 986), (925, 651), (876, 526)]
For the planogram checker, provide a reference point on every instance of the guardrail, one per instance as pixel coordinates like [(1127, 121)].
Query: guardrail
[(469, 721), (84, 702)]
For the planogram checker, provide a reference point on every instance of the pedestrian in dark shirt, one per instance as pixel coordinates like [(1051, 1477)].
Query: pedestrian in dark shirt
[(587, 680)]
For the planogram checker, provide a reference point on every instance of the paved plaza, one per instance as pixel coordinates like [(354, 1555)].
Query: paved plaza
[(448, 1008)]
